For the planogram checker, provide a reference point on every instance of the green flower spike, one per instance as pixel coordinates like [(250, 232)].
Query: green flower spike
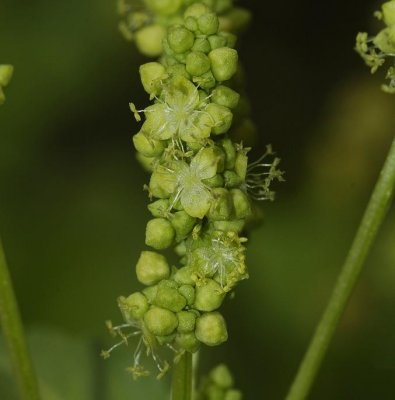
[(201, 184)]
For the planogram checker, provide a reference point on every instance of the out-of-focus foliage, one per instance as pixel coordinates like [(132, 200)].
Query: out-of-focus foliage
[(72, 212)]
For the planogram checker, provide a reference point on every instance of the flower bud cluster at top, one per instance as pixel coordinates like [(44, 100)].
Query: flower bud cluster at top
[(377, 49), (200, 188), (146, 21), (5, 77)]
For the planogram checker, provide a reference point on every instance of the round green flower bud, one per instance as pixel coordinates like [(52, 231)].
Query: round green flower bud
[(223, 63), (133, 307), (159, 233), (187, 341), (208, 23), (183, 223), (217, 41), (151, 268), (6, 72), (197, 63), (159, 208), (221, 116), (188, 292), (196, 10), (184, 276), (191, 24), (236, 225), (233, 394), (159, 186), (186, 321), (150, 74), (149, 40), (160, 322), (221, 376), (169, 298), (146, 146), (150, 293), (222, 205), (208, 297), (232, 180), (211, 329), (230, 153), (164, 7), (241, 203), (388, 9), (214, 182), (180, 39), (201, 44), (241, 164), (225, 96)]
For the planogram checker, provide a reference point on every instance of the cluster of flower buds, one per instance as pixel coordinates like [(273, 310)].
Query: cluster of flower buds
[(218, 385), (5, 77), (377, 49), (146, 21), (201, 189)]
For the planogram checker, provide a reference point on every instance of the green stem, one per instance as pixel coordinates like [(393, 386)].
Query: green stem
[(14, 335), (181, 387), (373, 217)]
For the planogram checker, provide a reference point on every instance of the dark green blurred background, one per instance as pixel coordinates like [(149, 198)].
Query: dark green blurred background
[(73, 213)]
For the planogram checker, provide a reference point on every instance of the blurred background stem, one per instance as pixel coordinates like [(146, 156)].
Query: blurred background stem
[(11, 325), (181, 388), (373, 217)]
